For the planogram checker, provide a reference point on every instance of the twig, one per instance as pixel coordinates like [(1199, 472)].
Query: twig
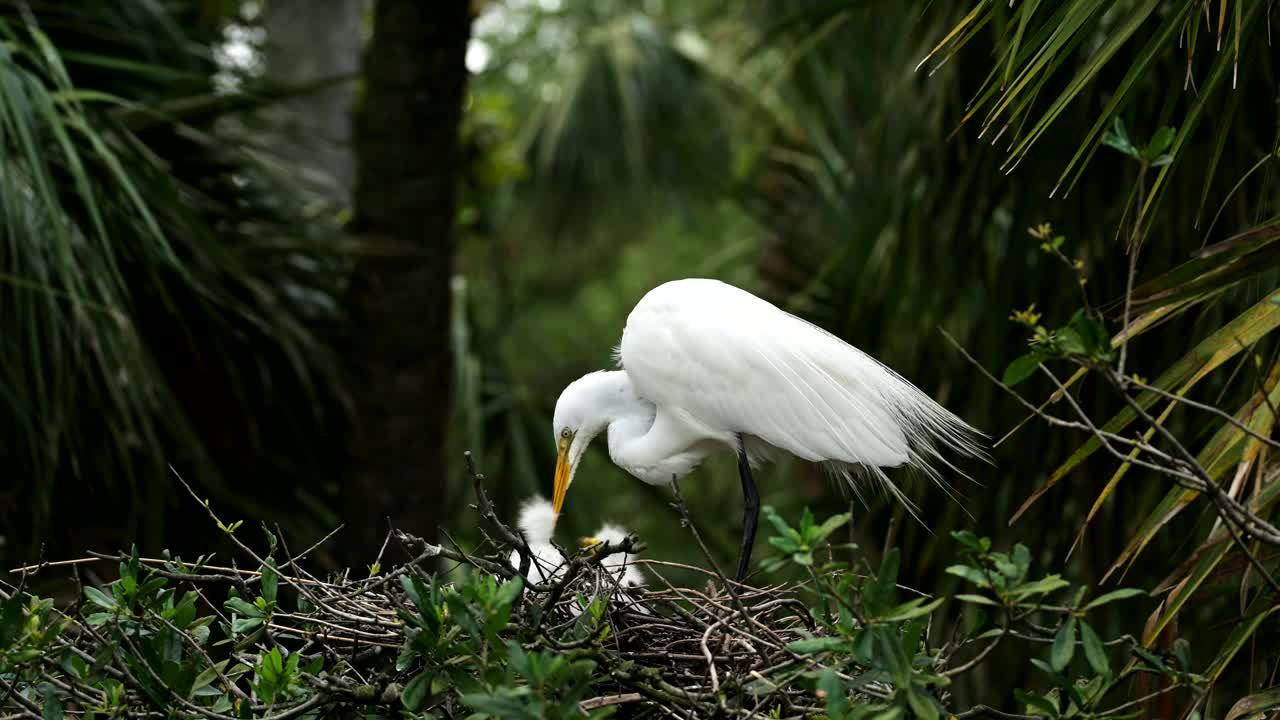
[(607, 700)]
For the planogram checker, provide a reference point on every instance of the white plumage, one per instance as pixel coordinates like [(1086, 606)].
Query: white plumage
[(708, 367), (537, 521), (622, 565)]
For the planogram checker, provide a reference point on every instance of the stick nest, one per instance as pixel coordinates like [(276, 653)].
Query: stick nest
[(218, 641)]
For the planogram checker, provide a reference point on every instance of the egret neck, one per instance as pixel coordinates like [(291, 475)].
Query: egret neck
[(641, 441)]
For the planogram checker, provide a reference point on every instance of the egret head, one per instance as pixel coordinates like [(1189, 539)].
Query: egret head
[(585, 408)]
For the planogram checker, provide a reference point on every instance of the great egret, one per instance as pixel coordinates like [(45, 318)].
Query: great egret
[(707, 366)]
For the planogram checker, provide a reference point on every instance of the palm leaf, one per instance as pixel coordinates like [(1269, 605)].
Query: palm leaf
[(1181, 376)]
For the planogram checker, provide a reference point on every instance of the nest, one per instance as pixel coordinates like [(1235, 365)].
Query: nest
[(705, 650), (656, 649)]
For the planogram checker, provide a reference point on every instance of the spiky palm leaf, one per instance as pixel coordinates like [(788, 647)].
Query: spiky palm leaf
[(153, 276)]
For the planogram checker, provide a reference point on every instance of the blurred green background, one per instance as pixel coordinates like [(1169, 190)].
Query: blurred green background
[(188, 210)]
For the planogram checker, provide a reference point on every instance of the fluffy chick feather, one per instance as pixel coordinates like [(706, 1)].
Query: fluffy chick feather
[(537, 521)]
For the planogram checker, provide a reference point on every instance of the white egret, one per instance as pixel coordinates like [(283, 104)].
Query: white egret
[(707, 367), (537, 521)]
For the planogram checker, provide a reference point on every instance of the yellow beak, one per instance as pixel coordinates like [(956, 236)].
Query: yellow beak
[(562, 476)]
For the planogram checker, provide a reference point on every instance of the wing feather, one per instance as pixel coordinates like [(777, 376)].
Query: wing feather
[(727, 362)]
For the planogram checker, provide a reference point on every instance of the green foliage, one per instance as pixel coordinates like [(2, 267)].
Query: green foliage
[(149, 641), (145, 245), (877, 209)]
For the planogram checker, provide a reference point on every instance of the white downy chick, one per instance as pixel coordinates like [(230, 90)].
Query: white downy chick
[(537, 521), (622, 563)]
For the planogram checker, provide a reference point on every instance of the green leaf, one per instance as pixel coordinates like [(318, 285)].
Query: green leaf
[(52, 709), (1021, 560), (923, 707), (411, 589), (979, 599), (912, 609), (972, 574), (968, 539), (244, 625), (1035, 702), (509, 591), (1117, 137), (238, 605), (1121, 594), (99, 598), (270, 580), (832, 524), (785, 544), (809, 646), (416, 691), (223, 704), (776, 520), (150, 586), (1094, 651), (1240, 634), (1064, 645), (1021, 369), (893, 713), (1069, 340), (1043, 586), (315, 666), (836, 692), (185, 612), (208, 675), (1159, 143), (501, 703), (1150, 658), (878, 591)]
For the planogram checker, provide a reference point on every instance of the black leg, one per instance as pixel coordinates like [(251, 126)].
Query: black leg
[(750, 511)]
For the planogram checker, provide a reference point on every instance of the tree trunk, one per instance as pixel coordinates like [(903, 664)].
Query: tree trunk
[(308, 43), (406, 168)]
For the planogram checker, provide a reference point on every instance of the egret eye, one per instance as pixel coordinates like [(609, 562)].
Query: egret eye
[(565, 433)]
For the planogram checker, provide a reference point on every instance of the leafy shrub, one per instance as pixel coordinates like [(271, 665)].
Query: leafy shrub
[(843, 640)]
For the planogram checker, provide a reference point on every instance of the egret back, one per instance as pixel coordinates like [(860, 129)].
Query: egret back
[(722, 361)]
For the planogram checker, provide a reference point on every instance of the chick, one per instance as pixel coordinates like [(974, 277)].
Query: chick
[(622, 564), (537, 521)]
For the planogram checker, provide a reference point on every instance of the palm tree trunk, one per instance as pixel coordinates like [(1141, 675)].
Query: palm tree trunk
[(407, 163), (307, 43)]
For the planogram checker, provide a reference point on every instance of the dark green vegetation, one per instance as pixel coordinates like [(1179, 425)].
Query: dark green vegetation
[(210, 641), (1055, 178)]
